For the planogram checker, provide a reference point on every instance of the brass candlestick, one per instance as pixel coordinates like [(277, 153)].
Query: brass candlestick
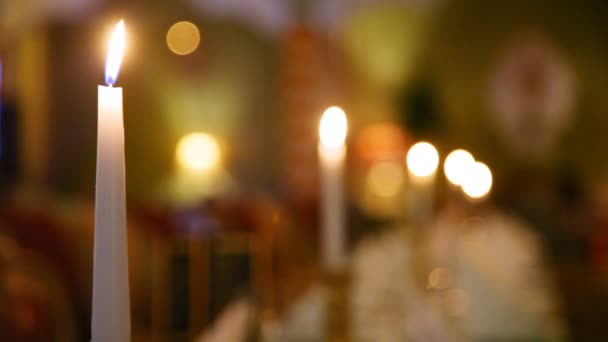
[(337, 285)]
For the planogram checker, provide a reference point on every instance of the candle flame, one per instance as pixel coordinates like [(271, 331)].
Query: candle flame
[(115, 53), (456, 166), (422, 159), (478, 182), (333, 127)]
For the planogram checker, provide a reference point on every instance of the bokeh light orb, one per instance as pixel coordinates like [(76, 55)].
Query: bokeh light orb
[(478, 181), (333, 127), (456, 165), (198, 152), (422, 159), (183, 38), (385, 178), (379, 142)]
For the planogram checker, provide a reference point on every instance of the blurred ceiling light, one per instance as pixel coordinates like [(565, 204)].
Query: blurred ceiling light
[(333, 127), (198, 152), (478, 181), (385, 179), (456, 165), (422, 159), (183, 37)]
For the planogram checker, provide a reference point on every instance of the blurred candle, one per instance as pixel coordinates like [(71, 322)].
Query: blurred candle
[(332, 150), (111, 310), (422, 162)]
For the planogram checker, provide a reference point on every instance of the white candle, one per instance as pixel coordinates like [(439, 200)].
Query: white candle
[(422, 162), (111, 320), (332, 150)]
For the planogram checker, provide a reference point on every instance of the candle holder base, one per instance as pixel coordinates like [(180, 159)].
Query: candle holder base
[(337, 286)]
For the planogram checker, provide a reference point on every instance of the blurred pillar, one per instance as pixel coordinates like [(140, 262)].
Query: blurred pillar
[(9, 115), (32, 95), (305, 92)]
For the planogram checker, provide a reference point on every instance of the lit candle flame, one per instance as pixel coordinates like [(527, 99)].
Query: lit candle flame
[(422, 159), (478, 182), (457, 165), (333, 127), (115, 53)]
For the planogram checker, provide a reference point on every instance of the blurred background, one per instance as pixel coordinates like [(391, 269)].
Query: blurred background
[(222, 102)]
